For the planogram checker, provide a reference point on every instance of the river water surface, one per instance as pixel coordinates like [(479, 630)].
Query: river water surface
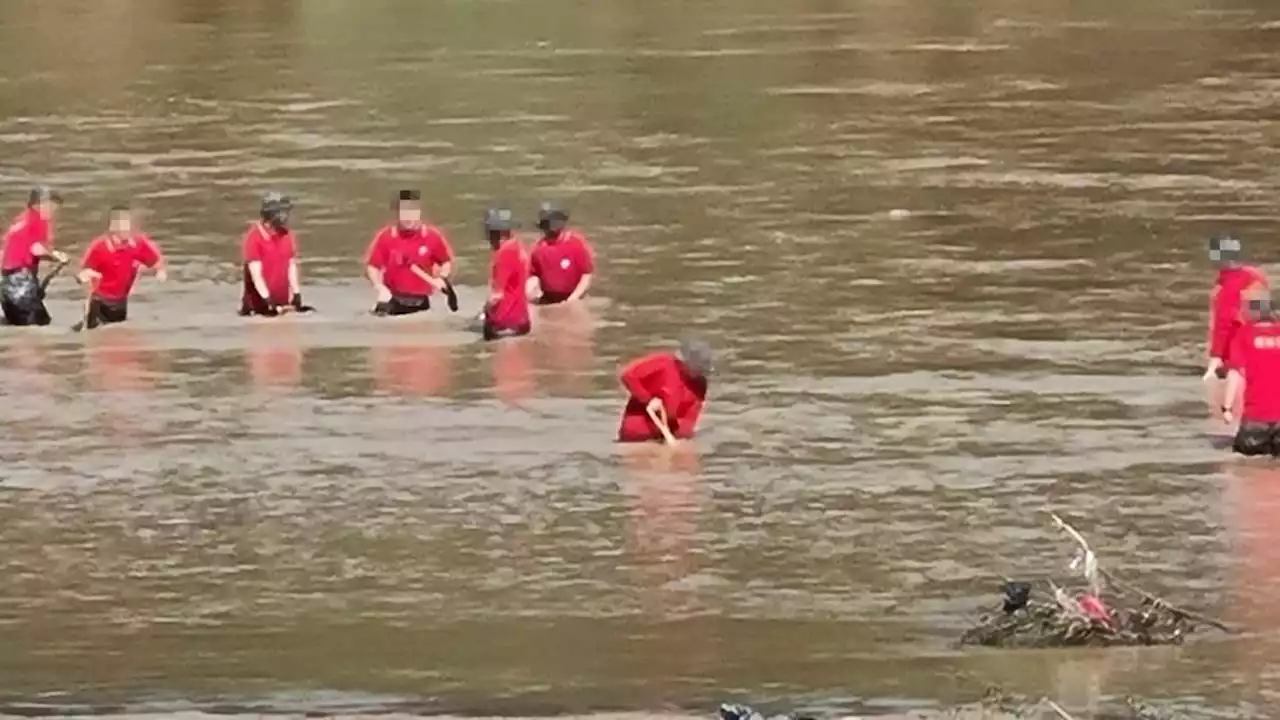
[(951, 254)]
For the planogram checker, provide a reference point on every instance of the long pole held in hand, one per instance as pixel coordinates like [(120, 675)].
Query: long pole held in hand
[(659, 418)]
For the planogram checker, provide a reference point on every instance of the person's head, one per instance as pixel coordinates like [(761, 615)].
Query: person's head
[(408, 207), (498, 225), (276, 208), (44, 200), (1225, 250), (552, 219), (696, 356), (1261, 309), (120, 220)]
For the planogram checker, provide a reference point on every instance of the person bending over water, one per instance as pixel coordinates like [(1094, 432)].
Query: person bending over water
[(667, 392), (271, 283), (1236, 282), (562, 261), (407, 261), (506, 314), (1254, 362), (110, 268), (28, 241)]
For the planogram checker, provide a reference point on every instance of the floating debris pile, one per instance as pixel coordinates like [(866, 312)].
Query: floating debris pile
[(1107, 611)]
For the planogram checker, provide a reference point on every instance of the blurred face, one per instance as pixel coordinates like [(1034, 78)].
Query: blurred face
[(409, 214), (121, 222), (47, 209)]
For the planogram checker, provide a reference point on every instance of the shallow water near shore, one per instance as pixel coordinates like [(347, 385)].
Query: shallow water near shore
[(951, 255)]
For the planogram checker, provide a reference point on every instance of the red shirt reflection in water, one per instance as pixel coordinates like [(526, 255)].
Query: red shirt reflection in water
[(116, 361), (273, 357), (419, 370), (667, 377), (513, 370)]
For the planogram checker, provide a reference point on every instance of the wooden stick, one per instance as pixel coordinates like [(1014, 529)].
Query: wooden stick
[(1131, 588), (660, 419), (1058, 709)]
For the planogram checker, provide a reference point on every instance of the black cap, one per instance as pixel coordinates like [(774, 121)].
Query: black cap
[(42, 193), (697, 355), (276, 200), (498, 220), (549, 211), (1223, 248), (408, 196)]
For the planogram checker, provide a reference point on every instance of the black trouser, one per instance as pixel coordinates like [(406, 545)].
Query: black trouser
[(1257, 438), (553, 298), (22, 299), (403, 305), (489, 331), (105, 312)]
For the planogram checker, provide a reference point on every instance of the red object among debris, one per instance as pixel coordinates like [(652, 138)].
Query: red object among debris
[(1095, 608)]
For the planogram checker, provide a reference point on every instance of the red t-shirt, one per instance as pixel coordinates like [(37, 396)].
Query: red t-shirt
[(118, 261), (396, 254), (560, 264), (508, 274), (275, 252), (1256, 353), (1227, 302), (27, 229), (660, 375)]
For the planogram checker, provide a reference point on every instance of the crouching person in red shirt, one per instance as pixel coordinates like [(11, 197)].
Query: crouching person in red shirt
[(271, 283), (1254, 360), (506, 314), (110, 268), (667, 393), (408, 261)]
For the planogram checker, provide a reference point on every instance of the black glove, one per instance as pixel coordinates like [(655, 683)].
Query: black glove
[(297, 304), (451, 296)]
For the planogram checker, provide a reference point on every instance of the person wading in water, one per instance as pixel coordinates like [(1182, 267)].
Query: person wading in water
[(28, 241), (506, 314), (269, 252), (407, 261), (1254, 363), (110, 269), (666, 393), (562, 261), (1236, 282)]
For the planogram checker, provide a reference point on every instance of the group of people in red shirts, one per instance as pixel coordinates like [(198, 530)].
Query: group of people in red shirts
[(407, 263)]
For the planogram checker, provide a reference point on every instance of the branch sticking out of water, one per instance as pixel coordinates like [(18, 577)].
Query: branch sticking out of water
[(1058, 709), (1087, 556), (1092, 572), (1158, 601)]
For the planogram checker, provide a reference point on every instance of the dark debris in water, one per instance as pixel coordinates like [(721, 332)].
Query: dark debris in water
[(1108, 612), (995, 704), (1044, 624)]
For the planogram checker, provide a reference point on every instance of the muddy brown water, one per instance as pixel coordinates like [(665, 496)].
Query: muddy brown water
[(951, 253)]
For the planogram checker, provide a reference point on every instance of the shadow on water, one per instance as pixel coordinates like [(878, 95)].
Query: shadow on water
[(948, 252)]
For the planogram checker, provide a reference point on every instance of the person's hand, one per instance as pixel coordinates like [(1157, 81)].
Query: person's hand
[(1212, 370), (162, 275), (1227, 417), (384, 295), (60, 256), (656, 407)]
